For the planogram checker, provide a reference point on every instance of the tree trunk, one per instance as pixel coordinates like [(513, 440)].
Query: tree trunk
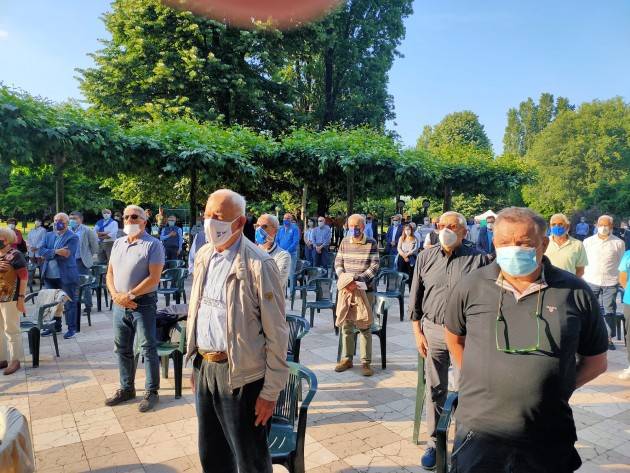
[(323, 204), (59, 184), (350, 193), (304, 203), (448, 196), (329, 104), (193, 195)]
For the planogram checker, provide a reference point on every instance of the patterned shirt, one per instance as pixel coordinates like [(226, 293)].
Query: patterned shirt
[(359, 258)]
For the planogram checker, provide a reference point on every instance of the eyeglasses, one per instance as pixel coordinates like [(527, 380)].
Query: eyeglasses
[(501, 319), (452, 226), (132, 217)]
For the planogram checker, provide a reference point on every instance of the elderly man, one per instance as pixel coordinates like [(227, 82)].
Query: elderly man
[(604, 252), (563, 251), (60, 270), (237, 336), (358, 256), (525, 336), (172, 238), (485, 237), (86, 251), (266, 230), (438, 271), (133, 276), (321, 237), (35, 239), (288, 238), (394, 232)]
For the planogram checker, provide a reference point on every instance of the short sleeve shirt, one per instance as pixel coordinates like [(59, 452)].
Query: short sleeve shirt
[(624, 267), (568, 256), (523, 397), (130, 261)]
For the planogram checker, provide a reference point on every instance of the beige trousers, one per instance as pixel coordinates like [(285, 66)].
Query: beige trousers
[(10, 350)]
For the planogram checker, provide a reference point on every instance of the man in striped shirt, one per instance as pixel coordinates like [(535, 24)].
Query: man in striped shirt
[(357, 255)]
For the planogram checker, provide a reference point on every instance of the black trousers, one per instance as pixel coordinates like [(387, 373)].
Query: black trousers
[(171, 252), (474, 452), (228, 440)]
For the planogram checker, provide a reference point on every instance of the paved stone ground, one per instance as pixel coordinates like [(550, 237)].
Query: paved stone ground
[(356, 424)]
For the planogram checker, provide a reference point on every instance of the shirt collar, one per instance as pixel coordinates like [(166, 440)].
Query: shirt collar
[(229, 253), (362, 241), (533, 287), (142, 236)]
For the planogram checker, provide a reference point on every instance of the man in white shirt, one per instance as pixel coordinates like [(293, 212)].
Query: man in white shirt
[(604, 252)]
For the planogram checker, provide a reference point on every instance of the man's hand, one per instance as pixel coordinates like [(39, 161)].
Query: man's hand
[(65, 252), (124, 301), (4, 266), (172, 234), (192, 381), (20, 306), (421, 343), (406, 258), (351, 287), (263, 410)]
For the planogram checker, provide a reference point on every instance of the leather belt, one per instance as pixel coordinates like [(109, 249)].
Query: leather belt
[(213, 356)]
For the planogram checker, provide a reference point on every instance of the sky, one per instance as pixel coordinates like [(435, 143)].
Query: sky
[(484, 55)]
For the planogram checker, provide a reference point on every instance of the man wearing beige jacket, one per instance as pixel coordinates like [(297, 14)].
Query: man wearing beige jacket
[(237, 336)]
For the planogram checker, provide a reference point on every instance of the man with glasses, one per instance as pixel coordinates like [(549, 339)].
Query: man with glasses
[(438, 270), (525, 336), (265, 236), (320, 238), (564, 251), (133, 276)]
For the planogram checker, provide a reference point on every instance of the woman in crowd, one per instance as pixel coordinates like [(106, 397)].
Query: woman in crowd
[(13, 280), (407, 251)]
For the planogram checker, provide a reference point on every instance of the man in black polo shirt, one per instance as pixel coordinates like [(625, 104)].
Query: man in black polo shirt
[(518, 326), (438, 270)]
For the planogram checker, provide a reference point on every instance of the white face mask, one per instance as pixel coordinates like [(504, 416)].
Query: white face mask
[(447, 237), (12, 226), (321, 224), (490, 225), (38, 223), (604, 231), (131, 229), (217, 231)]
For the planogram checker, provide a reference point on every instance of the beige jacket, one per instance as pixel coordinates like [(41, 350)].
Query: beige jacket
[(352, 306), (257, 333)]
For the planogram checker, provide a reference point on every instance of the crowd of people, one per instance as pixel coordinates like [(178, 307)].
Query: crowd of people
[(507, 304)]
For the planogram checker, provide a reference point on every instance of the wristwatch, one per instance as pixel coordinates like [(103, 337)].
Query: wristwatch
[(131, 295)]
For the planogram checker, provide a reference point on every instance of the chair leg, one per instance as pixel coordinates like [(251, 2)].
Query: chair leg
[(79, 315), (401, 306), (34, 335), (98, 299), (293, 298), (88, 312), (184, 292), (168, 299), (383, 340), (30, 342), (164, 363), (178, 366), (176, 297), (55, 342), (339, 349), (312, 316)]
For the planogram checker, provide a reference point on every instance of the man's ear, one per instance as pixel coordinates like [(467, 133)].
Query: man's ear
[(545, 243)]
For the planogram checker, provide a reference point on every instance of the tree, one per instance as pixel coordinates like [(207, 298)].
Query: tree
[(456, 129), (163, 63), (577, 153), (526, 122)]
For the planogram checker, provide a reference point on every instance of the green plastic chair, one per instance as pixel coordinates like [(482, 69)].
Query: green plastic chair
[(173, 350), (395, 283), (174, 263), (86, 282), (99, 271), (420, 393), (288, 423), (324, 299), (298, 328), (175, 279), (33, 329), (441, 441)]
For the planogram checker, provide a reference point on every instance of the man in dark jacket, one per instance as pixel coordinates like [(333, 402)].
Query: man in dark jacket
[(484, 240)]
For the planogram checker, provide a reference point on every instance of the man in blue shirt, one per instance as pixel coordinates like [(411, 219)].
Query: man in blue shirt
[(321, 237), (172, 238), (288, 238), (624, 267), (582, 229)]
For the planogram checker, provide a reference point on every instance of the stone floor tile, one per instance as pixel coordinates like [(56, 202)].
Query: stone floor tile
[(180, 465), (59, 456), (159, 452), (102, 446), (125, 461)]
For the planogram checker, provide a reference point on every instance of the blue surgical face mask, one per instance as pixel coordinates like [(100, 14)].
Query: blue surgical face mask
[(261, 236), (517, 260), (60, 226), (73, 224), (356, 232), (171, 223), (558, 231), (286, 222)]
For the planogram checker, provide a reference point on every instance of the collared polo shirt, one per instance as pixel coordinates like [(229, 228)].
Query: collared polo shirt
[(435, 277), (568, 256), (130, 261), (212, 314), (523, 398), (624, 267), (604, 257)]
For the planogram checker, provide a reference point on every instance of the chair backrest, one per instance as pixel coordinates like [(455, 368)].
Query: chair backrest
[(323, 288), (172, 273), (98, 269), (393, 280), (181, 278), (298, 327), (380, 310), (86, 279), (174, 263), (300, 265), (287, 404), (313, 273), (387, 261)]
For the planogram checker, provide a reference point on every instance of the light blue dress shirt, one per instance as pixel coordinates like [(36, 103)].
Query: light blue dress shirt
[(212, 315)]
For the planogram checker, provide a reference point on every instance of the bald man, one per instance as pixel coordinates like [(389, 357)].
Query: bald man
[(237, 336)]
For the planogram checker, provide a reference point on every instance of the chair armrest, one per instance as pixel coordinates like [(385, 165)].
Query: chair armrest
[(442, 430), (303, 333)]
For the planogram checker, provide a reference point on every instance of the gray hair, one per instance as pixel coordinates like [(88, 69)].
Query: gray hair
[(138, 209), (610, 219), (273, 220), (61, 214), (562, 217), (460, 218), (357, 216), (522, 214), (9, 234), (237, 199)]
